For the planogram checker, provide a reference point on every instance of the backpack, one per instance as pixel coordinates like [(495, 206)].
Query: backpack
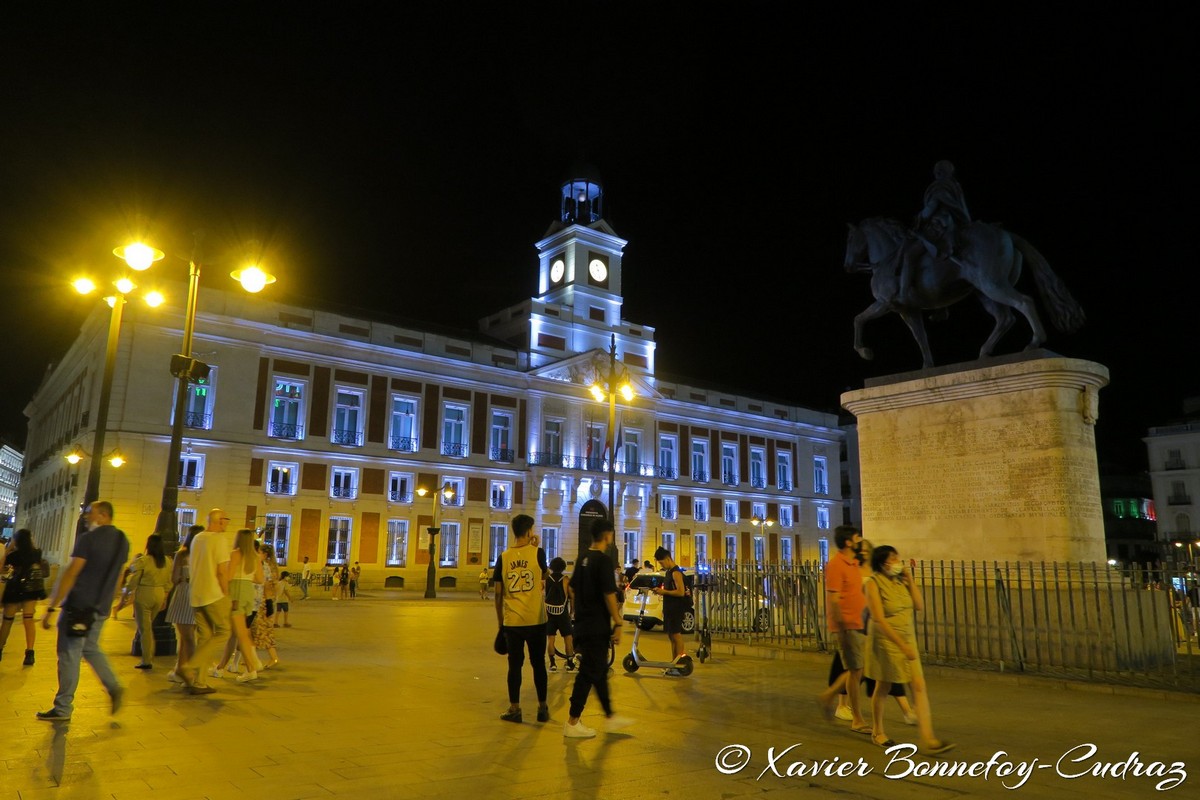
[(556, 595)]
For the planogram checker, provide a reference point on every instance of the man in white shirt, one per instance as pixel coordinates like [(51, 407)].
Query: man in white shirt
[(305, 577), (209, 565)]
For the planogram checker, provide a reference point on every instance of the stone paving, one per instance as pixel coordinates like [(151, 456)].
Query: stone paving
[(393, 695)]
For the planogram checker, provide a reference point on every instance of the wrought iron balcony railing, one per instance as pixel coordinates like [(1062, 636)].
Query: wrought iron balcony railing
[(729, 478), (666, 473), (504, 454), (193, 419), (785, 485), (455, 449), (344, 492), (544, 459), (501, 502), (349, 438), (700, 476), (405, 444), (1179, 500), (758, 483), (191, 481), (286, 430), (280, 487), (400, 497)]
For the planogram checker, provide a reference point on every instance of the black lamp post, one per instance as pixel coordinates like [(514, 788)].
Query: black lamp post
[(446, 493)]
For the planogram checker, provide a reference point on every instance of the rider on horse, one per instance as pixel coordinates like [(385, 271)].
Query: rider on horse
[(944, 212)]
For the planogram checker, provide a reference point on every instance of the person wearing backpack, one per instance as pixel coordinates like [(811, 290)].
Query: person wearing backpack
[(558, 614), (25, 587)]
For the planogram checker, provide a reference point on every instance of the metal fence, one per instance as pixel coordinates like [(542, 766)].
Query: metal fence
[(1085, 621)]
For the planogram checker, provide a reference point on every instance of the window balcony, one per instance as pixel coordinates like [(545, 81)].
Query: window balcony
[(699, 476), (546, 459), (666, 473), (346, 438), (501, 502), (344, 492), (729, 479), (1179, 500), (731, 518), (281, 487), (785, 485), (455, 449), (821, 488), (405, 444), (1175, 463), (191, 481), (758, 483), (503, 454), (455, 501), (400, 497), (193, 419), (286, 430)]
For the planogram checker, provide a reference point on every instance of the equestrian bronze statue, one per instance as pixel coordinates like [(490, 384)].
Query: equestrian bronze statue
[(947, 257)]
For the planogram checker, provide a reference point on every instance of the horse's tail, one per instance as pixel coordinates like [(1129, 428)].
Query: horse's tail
[(1065, 311)]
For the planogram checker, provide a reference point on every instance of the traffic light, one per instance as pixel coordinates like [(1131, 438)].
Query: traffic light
[(193, 369)]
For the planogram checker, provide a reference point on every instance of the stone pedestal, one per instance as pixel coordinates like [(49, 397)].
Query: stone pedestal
[(991, 460)]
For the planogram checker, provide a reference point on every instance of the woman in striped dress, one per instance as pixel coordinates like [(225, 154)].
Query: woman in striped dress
[(179, 611)]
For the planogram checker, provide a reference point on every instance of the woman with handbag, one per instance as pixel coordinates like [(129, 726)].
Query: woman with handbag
[(24, 588), (148, 585)]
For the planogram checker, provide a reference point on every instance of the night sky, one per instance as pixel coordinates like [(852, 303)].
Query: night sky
[(400, 164)]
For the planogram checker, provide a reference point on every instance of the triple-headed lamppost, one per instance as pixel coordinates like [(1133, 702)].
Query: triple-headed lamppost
[(446, 494), (762, 523), (604, 388)]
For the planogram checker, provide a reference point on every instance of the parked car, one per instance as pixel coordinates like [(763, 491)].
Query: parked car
[(642, 587), (733, 606)]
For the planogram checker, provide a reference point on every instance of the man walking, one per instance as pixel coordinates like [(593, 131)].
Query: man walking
[(519, 578), (87, 583), (844, 604), (597, 622), (209, 566), (674, 605), (305, 577)]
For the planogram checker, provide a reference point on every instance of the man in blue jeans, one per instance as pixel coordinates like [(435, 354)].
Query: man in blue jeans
[(89, 581)]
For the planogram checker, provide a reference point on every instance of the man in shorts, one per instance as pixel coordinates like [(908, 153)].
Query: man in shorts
[(844, 604), (674, 595)]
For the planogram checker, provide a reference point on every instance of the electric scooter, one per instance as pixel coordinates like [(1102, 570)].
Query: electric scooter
[(635, 660), (704, 650)]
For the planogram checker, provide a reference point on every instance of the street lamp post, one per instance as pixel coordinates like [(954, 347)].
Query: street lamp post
[(762, 523), (445, 493), (607, 388)]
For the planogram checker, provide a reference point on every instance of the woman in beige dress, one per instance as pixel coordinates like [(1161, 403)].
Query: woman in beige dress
[(149, 584), (891, 653)]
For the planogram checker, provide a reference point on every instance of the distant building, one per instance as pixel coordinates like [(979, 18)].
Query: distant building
[(11, 461), (318, 429), (1130, 521), (1174, 456)]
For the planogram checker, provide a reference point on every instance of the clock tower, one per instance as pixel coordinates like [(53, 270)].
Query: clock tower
[(578, 305)]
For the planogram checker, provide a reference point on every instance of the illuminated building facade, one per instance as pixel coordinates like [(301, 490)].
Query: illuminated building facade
[(318, 429)]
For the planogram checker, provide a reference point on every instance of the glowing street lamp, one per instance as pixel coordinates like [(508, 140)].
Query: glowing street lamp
[(607, 388), (447, 494)]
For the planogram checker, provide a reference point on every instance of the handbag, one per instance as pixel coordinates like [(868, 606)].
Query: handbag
[(34, 579), (500, 645)]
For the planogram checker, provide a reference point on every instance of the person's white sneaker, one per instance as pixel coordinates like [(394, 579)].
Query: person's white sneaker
[(577, 731), (214, 673), (173, 678), (246, 677), (843, 712), (616, 722), (910, 719)]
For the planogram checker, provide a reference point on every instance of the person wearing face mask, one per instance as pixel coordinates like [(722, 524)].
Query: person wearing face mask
[(891, 652), (844, 603)]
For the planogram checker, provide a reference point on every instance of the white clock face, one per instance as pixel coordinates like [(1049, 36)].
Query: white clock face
[(597, 270), (557, 269)]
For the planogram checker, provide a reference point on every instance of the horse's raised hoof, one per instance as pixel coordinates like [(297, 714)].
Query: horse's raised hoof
[(866, 353)]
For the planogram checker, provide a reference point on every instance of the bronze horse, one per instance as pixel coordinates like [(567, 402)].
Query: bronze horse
[(986, 263)]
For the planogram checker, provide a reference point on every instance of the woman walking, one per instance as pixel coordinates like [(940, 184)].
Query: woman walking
[(262, 629), (25, 587), (891, 655), (245, 570), (148, 586), (179, 610)]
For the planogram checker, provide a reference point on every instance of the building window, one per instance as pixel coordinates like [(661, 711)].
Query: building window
[(669, 506), (344, 484), (731, 547), (459, 497), (1175, 459), (668, 542), (729, 475), (448, 548), (631, 550), (550, 542), (823, 550), (785, 549), (501, 494), (552, 441), (191, 472), (339, 540), (287, 410), (731, 511), (823, 518), (454, 431), (502, 449), (786, 518), (760, 549), (758, 468), (701, 541), (400, 487), (668, 465), (281, 477), (397, 543), (186, 517), (700, 460), (631, 453), (783, 470), (404, 424), (197, 413), (593, 447), (497, 539), (275, 534), (348, 418), (820, 475), (758, 510), (700, 510)]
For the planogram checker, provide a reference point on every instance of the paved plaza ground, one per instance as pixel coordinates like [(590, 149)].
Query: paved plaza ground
[(392, 695)]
